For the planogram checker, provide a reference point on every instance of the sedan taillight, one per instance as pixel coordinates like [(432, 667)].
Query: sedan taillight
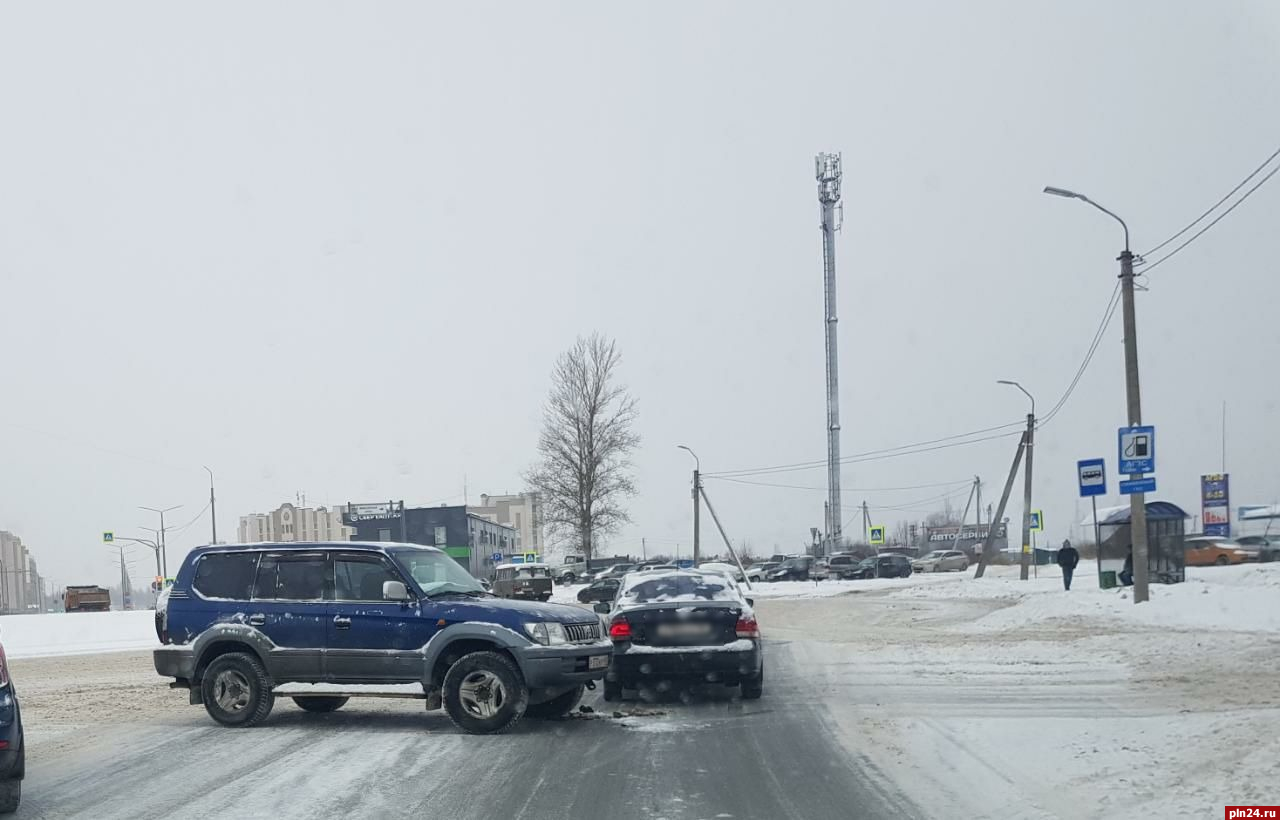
[(620, 630), (748, 628)]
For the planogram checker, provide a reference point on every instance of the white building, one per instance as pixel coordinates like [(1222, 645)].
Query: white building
[(521, 512), (292, 523), (21, 586)]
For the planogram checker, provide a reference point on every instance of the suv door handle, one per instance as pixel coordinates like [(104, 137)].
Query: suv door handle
[(257, 620), (341, 622)]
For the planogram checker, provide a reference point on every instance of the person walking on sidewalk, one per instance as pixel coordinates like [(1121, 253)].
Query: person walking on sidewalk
[(1068, 557)]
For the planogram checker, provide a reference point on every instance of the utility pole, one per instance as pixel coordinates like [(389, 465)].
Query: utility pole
[(978, 488), (1028, 440), (1004, 499), (644, 550), (697, 488), (866, 523), (164, 553), (213, 509), (828, 173), (1133, 397), (723, 535)]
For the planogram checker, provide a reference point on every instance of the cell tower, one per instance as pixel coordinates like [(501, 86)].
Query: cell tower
[(827, 170)]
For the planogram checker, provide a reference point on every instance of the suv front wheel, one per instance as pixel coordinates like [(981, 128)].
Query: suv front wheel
[(484, 693), (236, 690)]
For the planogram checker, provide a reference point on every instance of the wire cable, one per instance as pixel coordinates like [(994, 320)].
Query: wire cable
[(1148, 268), (1112, 303), (842, 489), (860, 457), (1215, 206)]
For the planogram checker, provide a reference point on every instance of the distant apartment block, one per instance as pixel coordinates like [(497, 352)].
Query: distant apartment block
[(522, 512), (293, 523), (21, 587)]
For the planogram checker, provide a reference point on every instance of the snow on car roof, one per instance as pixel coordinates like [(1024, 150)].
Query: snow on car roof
[(526, 565), (677, 585)]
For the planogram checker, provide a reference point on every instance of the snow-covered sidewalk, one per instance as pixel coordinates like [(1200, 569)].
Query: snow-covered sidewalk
[(77, 633)]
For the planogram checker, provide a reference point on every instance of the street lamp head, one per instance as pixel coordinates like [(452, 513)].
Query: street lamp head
[(1049, 189), (1005, 381)]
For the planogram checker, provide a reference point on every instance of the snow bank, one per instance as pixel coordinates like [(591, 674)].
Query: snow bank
[(1243, 598), (77, 633)]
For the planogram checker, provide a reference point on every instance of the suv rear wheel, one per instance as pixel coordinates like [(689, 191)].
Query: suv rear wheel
[(321, 704), (484, 693), (236, 690), (559, 706)]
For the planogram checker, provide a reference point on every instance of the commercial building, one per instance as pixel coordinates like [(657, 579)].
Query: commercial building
[(522, 512), (968, 538), (469, 539), (21, 587), (294, 523)]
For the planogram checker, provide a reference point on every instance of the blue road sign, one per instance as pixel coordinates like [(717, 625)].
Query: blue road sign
[(1093, 476), (1138, 485), (496, 558), (684, 563), (1137, 450)]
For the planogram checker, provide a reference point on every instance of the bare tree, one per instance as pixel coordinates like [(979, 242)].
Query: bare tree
[(584, 466)]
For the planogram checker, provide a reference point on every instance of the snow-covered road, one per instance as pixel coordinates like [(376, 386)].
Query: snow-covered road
[(938, 697)]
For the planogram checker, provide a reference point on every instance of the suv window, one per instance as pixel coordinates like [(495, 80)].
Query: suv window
[(360, 577), (297, 577), (226, 575)]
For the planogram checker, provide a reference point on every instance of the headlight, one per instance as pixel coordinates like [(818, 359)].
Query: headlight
[(547, 634)]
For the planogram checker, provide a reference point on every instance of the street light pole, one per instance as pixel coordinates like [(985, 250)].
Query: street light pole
[(1028, 442), (213, 509), (1133, 397), (164, 553), (697, 504)]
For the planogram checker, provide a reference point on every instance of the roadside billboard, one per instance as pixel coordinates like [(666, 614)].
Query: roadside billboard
[(1215, 504), (968, 538)]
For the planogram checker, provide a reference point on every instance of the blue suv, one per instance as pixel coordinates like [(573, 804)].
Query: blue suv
[(242, 619)]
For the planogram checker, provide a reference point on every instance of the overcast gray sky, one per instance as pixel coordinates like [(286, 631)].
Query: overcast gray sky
[(335, 248)]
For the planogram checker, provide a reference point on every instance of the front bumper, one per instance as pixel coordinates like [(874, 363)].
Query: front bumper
[(174, 662), (547, 666), (712, 666)]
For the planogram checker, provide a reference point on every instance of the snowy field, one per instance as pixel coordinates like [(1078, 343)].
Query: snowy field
[(76, 633)]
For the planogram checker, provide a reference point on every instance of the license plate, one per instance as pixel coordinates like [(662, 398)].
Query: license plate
[(684, 630), (598, 662)]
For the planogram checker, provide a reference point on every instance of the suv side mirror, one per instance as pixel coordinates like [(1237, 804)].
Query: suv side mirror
[(395, 591), (602, 608)]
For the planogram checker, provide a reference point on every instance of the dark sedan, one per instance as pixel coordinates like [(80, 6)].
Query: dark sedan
[(684, 627), (13, 752), (888, 565), (599, 591), (792, 569)]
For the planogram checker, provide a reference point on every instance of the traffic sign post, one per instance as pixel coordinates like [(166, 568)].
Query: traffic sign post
[(1137, 450), (531, 557), (877, 536), (1037, 521), (108, 537), (1146, 484), (496, 558), (1092, 473)]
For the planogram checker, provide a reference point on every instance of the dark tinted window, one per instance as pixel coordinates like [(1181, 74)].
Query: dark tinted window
[(290, 577), (226, 575), (358, 578)]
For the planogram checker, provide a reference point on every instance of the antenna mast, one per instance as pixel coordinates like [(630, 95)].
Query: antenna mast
[(827, 171)]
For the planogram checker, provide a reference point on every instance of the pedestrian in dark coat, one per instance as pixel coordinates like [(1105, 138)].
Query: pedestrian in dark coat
[(1068, 557), (1126, 574)]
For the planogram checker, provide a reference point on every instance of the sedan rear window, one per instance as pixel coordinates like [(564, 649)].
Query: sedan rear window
[(682, 586)]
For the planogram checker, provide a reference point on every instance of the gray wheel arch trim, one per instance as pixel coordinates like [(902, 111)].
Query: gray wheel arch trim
[(502, 636), (249, 637)]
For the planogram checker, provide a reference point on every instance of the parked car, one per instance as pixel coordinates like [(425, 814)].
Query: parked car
[(1268, 546), (690, 625), (527, 581), (1208, 550), (884, 565), (612, 571), (240, 619), (723, 568), (842, 565), (598, 591), (792, 569), (757, 571), (941, 561), (13, 755)]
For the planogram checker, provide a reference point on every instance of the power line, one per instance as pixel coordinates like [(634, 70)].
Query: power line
[(1112, 303), (1196, 221), (843, 489), (175, 530), (874, 455), (1148, 268)]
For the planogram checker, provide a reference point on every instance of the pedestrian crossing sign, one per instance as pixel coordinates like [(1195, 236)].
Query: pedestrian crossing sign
[(1037, 521), (877, 535), (108, 537)]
